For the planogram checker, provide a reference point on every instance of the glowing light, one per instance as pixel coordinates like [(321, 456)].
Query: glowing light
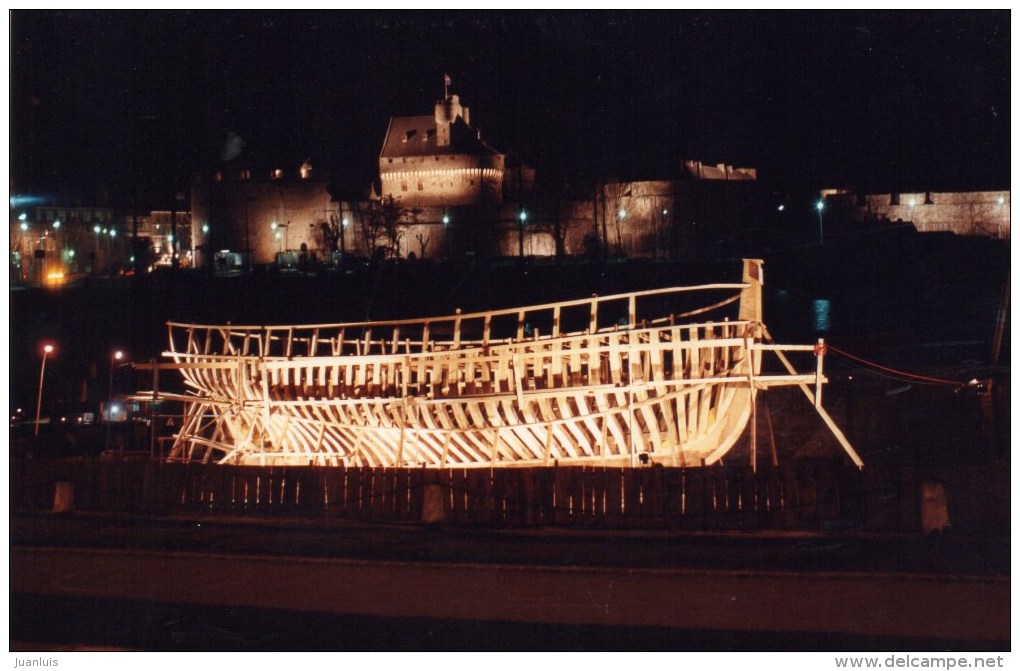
[(170, 237), (623, 213), (820, 205), (278, 236), (54, 278), (47, 348), (113, 233), (665, 212), (118, 355), (345, 222), (22, 217), (913, 202), (446, 219), (70, 253), (205, 228), (524, 216), (24, 226), (56, 224), (781, 208), (1002, 200), (96, 229), (274, 225)]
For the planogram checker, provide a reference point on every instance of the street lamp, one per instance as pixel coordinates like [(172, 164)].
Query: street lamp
[(42, 372), (523, 218), (820, 205), (117, 356)]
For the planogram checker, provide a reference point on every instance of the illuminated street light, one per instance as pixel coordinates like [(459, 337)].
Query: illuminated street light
[(22, 217), (520, 233), (42, 372), (205, 228), (781, 208), (97, 229), (820, 205), (24, 226), (623, 213), (56, 224), (115, 358), (446, 220)]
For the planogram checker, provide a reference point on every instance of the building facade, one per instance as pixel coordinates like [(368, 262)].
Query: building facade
[(259, 214), (439, 160), (983, 213)]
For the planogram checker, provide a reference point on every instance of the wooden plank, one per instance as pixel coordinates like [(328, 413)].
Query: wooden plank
[(652, 504), (632, 485), (672, 494), (563, 484), (614, 497)]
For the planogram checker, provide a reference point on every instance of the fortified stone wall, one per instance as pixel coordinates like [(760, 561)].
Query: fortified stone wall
[(239, 214), (983, 213), (443, 180)]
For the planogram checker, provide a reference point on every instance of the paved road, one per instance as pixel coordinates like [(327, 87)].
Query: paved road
[(858, 604)]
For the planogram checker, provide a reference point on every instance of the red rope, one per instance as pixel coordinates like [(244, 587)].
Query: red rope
[(901, 373)]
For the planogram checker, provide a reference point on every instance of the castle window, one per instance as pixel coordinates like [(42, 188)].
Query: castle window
[(421, 186), (246, 175), (277, 174), (403, 186)]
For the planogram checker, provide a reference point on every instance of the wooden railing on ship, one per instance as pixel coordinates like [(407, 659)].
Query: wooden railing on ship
[(598, 314)]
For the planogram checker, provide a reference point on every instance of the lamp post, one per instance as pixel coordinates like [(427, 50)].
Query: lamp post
[(42, 372), (820, 205), (117, 356), (523, 218), (95, 253)]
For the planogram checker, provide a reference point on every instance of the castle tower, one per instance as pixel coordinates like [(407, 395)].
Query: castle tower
[(439, 161)]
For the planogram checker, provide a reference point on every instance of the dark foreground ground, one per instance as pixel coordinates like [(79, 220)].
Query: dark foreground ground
[(241, 584)]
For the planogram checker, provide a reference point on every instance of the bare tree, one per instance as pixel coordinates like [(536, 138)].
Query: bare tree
[(383, 224), (423, 243)]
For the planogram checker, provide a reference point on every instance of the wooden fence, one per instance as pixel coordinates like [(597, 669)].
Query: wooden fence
[(806, 494)]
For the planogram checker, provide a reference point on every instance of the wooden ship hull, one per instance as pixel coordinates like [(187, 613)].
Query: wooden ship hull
[(621, 380)]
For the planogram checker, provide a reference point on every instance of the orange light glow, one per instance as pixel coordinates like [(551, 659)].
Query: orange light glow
[(55, 278)]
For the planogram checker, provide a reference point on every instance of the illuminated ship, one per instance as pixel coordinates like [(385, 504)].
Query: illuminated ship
[(664, 376)]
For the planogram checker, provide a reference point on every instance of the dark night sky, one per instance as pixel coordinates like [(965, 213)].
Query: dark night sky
[(110, 106)]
